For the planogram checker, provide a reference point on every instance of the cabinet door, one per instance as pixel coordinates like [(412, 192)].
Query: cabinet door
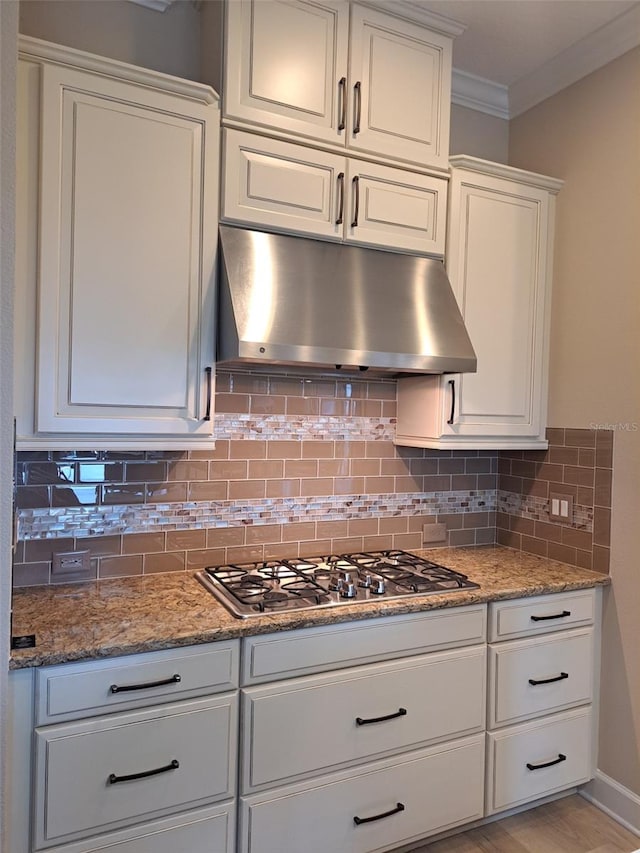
[(286, 65), (127, 235), (282, 185), (394, 208), (400, 80), (497, 262)]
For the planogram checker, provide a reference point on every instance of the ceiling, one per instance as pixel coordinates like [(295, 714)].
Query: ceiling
[(532, 48)]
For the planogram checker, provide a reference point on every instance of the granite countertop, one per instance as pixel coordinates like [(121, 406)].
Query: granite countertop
[(122, 616)]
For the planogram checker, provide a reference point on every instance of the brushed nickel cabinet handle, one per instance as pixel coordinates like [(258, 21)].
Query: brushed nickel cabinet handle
[(452, 384), (340, 217), (342, 93), (207, 414), (356, 192), (357, 106)]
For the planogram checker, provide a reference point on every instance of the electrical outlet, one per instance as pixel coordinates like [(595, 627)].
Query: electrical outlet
[(434, 534), (560, 507), (69, 566)]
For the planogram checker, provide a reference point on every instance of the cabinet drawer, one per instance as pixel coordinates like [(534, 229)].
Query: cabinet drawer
[(308, 650), (438, 788), (360, 714), (79, 767), (208, 830), (78, 690), (563, 742), (541, 615), (560, 664)]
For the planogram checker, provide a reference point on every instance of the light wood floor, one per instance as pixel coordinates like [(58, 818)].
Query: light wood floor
[(569, 825)]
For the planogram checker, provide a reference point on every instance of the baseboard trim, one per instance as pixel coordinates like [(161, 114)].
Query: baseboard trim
[(614, 799)]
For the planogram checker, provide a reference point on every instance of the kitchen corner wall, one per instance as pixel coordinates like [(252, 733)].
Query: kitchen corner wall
[(301, 466)]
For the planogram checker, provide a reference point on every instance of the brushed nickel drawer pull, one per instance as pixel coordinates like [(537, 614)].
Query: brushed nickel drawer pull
[(557, 760), (116, 688), (401, 712), (358, 820), (560, 677), (112, 779)]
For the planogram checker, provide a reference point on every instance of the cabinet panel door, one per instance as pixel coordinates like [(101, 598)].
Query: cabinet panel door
[(124, 276), (498, 241), (396, 208), (400, 80), (282, 185), (286, 65)]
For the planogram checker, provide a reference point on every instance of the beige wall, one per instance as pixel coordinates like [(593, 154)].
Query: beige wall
[(167, 41), (589, 135), (479, 135)]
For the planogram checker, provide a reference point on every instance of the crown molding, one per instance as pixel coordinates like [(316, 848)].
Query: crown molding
[(582, 58), (500, 170), (476, 93), (417, 14)]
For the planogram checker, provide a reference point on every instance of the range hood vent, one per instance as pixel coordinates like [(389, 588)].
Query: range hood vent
[(296, 301)]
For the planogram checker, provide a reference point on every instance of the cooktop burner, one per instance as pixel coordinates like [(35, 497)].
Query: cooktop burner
[(272, 586)]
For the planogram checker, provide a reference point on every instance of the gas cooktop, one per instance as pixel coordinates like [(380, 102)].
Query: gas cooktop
[(274, 586)]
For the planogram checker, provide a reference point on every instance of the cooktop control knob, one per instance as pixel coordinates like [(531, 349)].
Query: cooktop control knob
[(378, 587), (348, 590), (367, 581), (346, 577)]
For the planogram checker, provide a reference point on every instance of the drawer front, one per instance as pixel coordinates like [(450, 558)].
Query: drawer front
[(295, 728), (559, 665), (563, 742), (543, 614), (310, 650), (428, 791), (75, 690), (79, 767), (209, 830)]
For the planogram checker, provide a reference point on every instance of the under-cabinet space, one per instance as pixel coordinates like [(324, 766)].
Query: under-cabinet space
[(111, 772), (375, 808), (283, 186), (366, 712)]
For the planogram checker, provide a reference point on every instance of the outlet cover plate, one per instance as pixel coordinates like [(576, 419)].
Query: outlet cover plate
[(69, 566), (560, 507), (434, 534)]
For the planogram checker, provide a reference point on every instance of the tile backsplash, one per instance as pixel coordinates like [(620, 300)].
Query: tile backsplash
[(303, 466)]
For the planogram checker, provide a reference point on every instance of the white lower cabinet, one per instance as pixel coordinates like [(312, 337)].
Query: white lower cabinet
[(376, 807)]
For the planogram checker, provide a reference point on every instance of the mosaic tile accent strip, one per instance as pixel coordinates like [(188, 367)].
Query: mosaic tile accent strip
[(90, 521), (537, 509), (307, 428)]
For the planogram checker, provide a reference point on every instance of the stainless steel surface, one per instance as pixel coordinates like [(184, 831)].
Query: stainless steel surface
[(297, 301), (275, 586)]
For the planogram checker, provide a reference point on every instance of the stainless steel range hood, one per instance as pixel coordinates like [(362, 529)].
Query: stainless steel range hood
[(303, 302)]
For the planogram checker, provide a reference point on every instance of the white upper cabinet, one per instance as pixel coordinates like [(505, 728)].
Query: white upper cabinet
[(284, 186), (124, 230), (499, 261), (340, 74)]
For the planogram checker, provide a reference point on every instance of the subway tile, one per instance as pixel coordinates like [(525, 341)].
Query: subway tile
[(367, 409), (319, 388), (168, 492), (227, 469), (407, 541), (603, 484), (174, 561), (458, 538), (380, 449), (585, 496), (185, 540), (455, 465), (301, 530), (417, 522), (378, 543), (222, 537), (510, 484), (145, 472), (248, 383), (282, 550), (127, 455), (32, 497), (44, 455), (332, 529), (602, 526), (419, 466), (167, 455), (577, 538), (564, 455), (555, 436), (475, 519), (509, 539), (601, 559), (409, 484), (397, 467), (604, 450), (39, 550), (31, 574), (548, 471), (437, 483), (333, 407), (385, 485), (208, 557), (264, 469), (315, 487), (317, 450), (584, 559), (223, 380), (562, 553), (209, 490), (525, 526), (537, 456), (485, 536), (349, 449), (580, 437), (284, 449), (313, 548), (565, 489), (267, 404), (503, 520), (369, 467), (248, 448), (382, 390), (352, 389), (579, 476), (587, 457), (348, 545), (549, 531), (100, 472), (120, 567), (535, 488), (453, 520), (478, 465), (301, 468), (245, 554), (286, 385), (67, 496), (126, 494), (190, 469), (283, 488), (219, 451), (363, 527), (143, 543), (333, 468), (464, 482), (504, 466), (259, 534), (520, 468), (232, 404), (487, 481), (534, 546), (303, 405), (247, 489), (48, 473), (393, 524)]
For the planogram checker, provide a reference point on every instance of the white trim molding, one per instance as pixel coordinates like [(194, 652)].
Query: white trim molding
[(476, 93), (614, 799)]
